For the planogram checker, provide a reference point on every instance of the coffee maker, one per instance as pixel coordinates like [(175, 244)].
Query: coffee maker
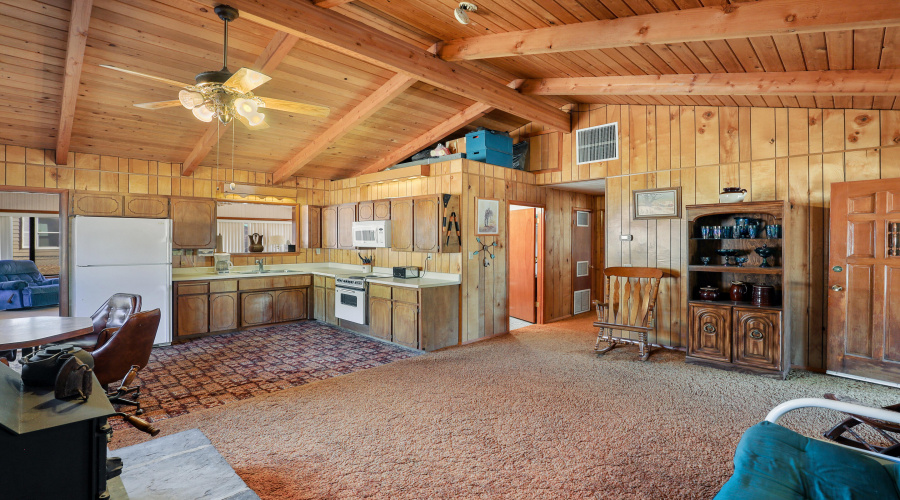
[(223, 262)]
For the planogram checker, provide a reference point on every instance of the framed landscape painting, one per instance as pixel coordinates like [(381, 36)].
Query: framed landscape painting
[(487, 216), (660, 203)]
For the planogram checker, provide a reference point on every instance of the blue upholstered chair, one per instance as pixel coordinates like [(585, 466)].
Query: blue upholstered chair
[(22, 285)]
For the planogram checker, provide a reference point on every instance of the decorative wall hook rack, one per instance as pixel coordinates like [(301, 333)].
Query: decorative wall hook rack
[(485, 247)]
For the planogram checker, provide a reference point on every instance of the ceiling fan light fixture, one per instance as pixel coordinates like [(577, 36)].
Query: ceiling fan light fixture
[(203, 113), (190, 99), (461, 12)]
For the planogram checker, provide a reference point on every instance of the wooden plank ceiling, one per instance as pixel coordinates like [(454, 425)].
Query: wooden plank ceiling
[(176, 39)]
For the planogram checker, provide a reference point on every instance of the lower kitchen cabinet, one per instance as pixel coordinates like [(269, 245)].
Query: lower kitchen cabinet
[(380, 317), (290, 305), (319, 303), (207, 307), (257, 308), (323, 299), (421, 318), (193, 314), (223, 312)]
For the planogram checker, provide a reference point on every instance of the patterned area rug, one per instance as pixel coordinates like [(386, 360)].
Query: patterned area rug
[(216, 370)]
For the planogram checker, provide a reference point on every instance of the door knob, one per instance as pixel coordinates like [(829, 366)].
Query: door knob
[(837, 288)]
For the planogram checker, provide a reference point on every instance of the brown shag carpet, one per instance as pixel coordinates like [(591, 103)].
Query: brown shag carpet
[(534, 414)]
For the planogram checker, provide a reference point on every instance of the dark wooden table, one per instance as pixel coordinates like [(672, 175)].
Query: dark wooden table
[(32, 332)]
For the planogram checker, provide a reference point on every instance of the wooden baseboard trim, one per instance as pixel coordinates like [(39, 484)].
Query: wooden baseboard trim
[(484, 338)]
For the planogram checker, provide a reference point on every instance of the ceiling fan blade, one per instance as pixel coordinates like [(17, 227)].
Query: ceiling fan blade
[(245, 80), (296, 107), (158, 104), (151, 77), (261, 126)]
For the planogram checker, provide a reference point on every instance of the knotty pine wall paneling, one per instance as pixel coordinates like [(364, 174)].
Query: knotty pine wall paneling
[(792, 154)]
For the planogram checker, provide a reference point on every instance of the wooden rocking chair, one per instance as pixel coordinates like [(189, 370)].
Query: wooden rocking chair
[(631, 298)]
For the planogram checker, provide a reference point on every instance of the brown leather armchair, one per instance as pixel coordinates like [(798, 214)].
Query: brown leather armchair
[(126, 351), (111, 315)]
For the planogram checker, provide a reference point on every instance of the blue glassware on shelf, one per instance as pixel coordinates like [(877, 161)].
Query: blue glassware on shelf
[(741, 260), (773, 231), (765, 252), (752, 230), (704, 260), (706, 232), (728, 253)]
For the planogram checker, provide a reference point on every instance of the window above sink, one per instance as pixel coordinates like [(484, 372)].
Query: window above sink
[(240, 224)]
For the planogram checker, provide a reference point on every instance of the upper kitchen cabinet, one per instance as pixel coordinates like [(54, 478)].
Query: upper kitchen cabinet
[(435, 223), (381, 209), (98, 204), (310, 226), (330, 226), (402, 224), (346, 216), (366, 211), (193, 223), (148, 206)]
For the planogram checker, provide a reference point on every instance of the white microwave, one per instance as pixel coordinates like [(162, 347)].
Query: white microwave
[(372, 234)]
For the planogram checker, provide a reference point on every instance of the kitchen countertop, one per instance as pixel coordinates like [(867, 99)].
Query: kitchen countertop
[(328, 269)]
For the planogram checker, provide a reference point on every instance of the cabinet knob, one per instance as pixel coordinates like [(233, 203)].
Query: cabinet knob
[(756, 334), (709, 328), (837, 288)]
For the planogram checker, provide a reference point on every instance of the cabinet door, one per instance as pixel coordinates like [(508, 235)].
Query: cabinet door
[(310, 226), (426, 224), (402, 224), (193, 314), (382, 209), (346, 217), (406, 324), (223, 309), (319, 304), (380, 311), (367, 210), (193, 223), (99, 204), (290, 305), (757, 338), (149, 206), (257, 308), (330, 226), (329, 306), (710, 332)]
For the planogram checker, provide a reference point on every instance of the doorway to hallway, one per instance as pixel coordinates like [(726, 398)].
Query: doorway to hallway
[(526, 264)]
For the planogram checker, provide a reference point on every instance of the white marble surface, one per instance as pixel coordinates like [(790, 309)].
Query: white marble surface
[(328, 269)]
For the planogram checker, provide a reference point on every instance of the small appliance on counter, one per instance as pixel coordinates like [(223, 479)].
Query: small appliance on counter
[(223, 262), (406, 272)]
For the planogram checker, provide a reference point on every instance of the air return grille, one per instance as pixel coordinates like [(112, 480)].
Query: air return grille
[(600, 143), (582, 219), (581, 268), (582, 301)]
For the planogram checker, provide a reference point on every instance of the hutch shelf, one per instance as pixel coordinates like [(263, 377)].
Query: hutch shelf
[(738, 335)]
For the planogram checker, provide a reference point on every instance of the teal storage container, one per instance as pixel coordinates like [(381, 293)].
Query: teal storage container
[(488, 139), (490, 156)]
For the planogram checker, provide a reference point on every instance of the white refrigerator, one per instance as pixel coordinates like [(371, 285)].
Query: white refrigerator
[(123, 255)]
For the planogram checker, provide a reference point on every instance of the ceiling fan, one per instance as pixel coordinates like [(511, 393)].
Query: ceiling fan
[(225, 95)]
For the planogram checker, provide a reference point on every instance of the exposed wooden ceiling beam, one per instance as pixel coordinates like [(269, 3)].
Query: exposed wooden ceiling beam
[(331, 3), (279, 47), (79, 20), (734, 20), (877, 82), (347, 36), (437, 133), (375, 101)]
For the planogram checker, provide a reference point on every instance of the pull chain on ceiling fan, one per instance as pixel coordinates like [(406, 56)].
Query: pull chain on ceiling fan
[(225, 95)]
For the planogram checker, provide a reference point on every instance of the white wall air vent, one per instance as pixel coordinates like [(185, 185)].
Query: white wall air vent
[(600, 143), (582, 219), (582, 268), (582, 301)]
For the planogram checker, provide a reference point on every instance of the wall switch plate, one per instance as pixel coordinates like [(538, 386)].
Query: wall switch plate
[(626, 237), (429, 257), (318, 251)]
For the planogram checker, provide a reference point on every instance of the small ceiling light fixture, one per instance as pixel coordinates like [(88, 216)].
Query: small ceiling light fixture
[(461, 12)]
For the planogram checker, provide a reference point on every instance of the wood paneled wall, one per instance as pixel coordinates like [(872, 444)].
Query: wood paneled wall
[(84, 172), (776, 154)]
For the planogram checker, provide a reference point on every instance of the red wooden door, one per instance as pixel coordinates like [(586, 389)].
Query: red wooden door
[(522, 283), (582, 255), (864, 280)]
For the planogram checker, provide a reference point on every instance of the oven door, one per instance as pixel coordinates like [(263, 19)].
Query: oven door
[(350, 305)]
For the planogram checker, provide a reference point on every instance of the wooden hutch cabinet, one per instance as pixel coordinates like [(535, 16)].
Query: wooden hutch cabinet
[(738, 335)]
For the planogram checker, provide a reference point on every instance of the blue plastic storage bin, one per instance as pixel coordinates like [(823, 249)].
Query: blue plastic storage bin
[(487, 139), (490, 156)]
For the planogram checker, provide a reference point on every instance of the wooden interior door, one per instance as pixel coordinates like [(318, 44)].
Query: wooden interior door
[(582, 258), (522, 253), (864, 280)]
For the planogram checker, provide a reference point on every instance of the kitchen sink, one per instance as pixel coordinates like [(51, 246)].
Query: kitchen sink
[(261, 272)]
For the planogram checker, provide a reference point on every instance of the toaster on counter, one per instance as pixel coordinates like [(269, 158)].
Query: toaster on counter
[(406, 272)]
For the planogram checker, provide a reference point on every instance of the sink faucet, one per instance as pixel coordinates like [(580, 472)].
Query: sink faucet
[(260, 263)]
